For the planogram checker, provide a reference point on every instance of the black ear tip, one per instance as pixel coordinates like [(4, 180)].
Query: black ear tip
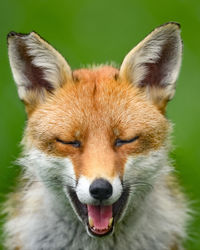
[(172, 23), (11, 34), (14, 34), (175, 23), (178, 24)]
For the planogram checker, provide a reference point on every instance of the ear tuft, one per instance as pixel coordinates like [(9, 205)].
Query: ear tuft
[(36, 65), (155, 62)]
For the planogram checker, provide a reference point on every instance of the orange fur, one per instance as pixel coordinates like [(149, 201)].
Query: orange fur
[(96, 109), (96, 137)]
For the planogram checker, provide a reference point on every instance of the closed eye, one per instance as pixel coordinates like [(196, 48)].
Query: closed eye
[(75, 144), (119, 142)]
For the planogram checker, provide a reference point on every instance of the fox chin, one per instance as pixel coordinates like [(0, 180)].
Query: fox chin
[(96, 172)]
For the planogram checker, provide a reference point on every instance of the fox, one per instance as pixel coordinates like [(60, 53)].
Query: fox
[(96, 172)]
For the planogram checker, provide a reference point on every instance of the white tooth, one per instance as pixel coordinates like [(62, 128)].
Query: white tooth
[(91, 223), (110, 222)]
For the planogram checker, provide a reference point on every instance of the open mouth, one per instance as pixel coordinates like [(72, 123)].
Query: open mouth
[(100, 220)]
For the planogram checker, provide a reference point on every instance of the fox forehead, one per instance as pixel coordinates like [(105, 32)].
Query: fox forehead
[(99, 107)]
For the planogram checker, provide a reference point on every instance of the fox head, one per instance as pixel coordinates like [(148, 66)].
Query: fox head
[(98, 136)]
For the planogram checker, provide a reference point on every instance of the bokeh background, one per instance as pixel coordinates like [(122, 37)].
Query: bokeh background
[(99, 31)]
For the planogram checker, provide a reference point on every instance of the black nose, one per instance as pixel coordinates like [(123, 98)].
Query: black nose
[(101, 189)]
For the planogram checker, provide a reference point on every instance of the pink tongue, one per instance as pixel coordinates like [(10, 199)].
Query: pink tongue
[(100, 215)]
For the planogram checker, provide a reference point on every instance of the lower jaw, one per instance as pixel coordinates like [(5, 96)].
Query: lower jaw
[(99, 233)]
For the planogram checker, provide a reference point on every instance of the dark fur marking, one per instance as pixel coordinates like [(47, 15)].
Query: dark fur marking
[(94, 89), (116, 76), (75, 77), (34, 74), (157, 71)]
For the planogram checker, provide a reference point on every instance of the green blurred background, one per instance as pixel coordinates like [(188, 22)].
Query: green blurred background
[(92, 31)]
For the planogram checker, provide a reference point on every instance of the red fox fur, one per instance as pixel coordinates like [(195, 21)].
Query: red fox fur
[(96, 172)]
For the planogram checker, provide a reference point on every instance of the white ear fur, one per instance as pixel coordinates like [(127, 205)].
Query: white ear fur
[(155, 62), (35, 64)]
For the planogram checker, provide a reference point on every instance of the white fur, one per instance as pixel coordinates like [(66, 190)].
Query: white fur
[(147, 168), (46, 168), (153, 219)]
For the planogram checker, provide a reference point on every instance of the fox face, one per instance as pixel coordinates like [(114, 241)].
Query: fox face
[(97, 136)]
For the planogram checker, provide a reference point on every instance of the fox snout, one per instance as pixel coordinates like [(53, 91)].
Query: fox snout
[(98, 191), (100, 198), (101, 189)]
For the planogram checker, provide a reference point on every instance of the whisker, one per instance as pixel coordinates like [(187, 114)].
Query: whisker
[(141, 184), (52, 183)]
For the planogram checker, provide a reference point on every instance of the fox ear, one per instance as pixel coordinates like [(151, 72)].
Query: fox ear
[(153, 65), (36, 66)]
